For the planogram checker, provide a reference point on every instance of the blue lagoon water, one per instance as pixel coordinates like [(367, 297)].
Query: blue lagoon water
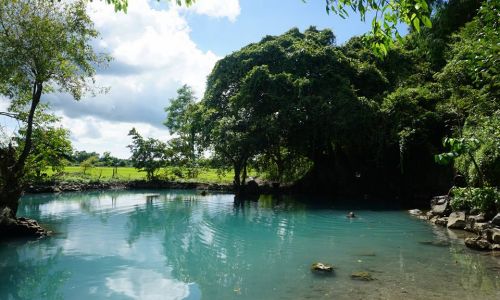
[(180, 245)]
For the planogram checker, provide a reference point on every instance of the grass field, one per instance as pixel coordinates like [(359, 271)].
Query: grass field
[(126, 173)]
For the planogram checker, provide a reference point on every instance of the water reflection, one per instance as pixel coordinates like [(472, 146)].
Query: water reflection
[(25, 276), (179, 245)]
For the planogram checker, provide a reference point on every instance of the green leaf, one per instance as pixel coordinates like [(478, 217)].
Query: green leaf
[(426, 21), (416, 24)]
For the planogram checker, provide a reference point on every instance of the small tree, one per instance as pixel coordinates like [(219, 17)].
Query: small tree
[(89, 163), (182, 120), (148, 155)]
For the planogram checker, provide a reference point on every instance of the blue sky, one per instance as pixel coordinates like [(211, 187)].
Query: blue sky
[(157, 47), (269, 17)]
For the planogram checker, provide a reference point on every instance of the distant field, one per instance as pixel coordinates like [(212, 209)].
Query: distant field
[(126, 173)]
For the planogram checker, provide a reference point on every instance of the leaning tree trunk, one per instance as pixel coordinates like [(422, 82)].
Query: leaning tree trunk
[(12, 169)]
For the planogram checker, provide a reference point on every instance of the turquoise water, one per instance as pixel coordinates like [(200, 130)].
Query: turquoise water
[(179, 245)]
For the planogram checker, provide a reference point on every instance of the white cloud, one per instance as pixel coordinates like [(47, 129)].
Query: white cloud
[(138, 283), (153, 56), (218, 8), (95, 134)]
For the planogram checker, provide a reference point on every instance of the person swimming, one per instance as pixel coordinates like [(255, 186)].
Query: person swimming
[(351, 215)]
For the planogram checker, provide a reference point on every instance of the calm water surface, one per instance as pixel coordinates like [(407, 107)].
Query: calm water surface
[(124, 245)]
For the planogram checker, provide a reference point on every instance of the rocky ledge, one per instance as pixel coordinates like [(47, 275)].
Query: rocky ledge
[(11, 227), (486, 228)]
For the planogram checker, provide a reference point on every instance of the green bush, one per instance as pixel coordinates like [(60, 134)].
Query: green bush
[(487, 156), (485, 199)]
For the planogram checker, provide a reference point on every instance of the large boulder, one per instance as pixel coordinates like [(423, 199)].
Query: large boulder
[(480, 227), (493, 235), (440, 205), (415, 212), (496, 220), (456, 220), (471, 221), (250, 188), (441, 221), (477, 243)]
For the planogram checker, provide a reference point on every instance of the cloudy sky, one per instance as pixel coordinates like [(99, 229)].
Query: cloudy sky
[(157, 47)]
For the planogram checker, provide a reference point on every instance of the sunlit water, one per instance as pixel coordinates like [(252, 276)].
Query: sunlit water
[(179, 245)]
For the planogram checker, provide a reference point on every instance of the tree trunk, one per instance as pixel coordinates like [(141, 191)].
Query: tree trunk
[(244, 177), (237, 172), (12, 169)]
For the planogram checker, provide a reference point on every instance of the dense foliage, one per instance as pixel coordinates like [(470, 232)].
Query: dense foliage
[(339, 118), (482, 199)]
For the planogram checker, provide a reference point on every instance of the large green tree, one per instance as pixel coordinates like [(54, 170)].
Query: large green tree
[(296, 91), (44, 47)]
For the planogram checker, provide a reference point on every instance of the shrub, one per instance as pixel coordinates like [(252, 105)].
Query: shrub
[(485, 199)]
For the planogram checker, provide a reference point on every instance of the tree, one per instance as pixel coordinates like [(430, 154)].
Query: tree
[(44, 47), (88, 164), (294, 93), (182, 120), (51, 144), (148, 155)]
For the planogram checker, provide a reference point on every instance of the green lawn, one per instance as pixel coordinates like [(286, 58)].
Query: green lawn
[(125, 173)]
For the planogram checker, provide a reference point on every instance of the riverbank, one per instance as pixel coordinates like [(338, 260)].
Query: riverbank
[(69, 186), (251, 188), (486, 227)]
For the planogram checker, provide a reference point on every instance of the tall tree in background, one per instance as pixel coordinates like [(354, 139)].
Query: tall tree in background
[(44, 47), (182, 121)]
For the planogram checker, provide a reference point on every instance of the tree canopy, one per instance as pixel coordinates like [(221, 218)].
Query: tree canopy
[(355, 122), (44, 47)]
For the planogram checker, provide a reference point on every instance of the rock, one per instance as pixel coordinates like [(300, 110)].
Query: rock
[(440, 206), (203, 193), (250, 188), (366, 254), (441, 221), (496, 220), (11, 227), (477, 243), (456, 220), (478, 218), (321, 267), (364, 276), (480, 227), (495, 247), (435, 243), (470, 222), (493, 235), (415, 212)]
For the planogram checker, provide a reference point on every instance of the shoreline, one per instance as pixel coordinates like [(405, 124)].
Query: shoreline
[(485, 227), (63, 186)]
